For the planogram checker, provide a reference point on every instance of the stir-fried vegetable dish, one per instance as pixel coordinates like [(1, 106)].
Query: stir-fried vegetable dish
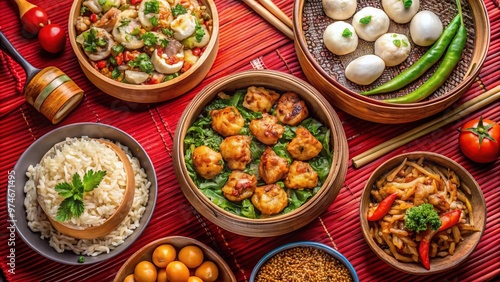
[(258, 153)]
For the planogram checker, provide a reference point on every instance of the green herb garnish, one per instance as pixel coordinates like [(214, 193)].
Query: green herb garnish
[(152, 7), (153, 21), (72, 205), (149, 39), (167, 31), (143, 62), (178, 10), (91, 42), (405, 44), (417, 218), (407, 3), (117, 49), (199, 31), (397, 42), (347, 32), (81, 259), (116, 73), (365, 20)]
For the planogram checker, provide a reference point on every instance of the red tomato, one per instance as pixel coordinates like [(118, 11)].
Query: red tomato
[(34, 19), (93, 17), (479, 140), (52, 38)]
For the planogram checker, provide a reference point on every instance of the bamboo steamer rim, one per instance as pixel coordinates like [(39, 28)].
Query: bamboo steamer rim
[(464, 248), (479, 11), (294, 219), (116, 218), (208, 57), (145, 252)]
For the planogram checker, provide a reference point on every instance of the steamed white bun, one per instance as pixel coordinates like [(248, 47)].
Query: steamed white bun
[(365, 69), (339, 9), (425, 28), (393, 48), (377, 23), (397, 11), (340, 38)]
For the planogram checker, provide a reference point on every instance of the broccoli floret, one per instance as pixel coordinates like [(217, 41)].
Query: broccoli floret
[(419, 217)]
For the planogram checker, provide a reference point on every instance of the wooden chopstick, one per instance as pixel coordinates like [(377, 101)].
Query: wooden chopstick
[(269, 17), (275, 10), (461, 111)]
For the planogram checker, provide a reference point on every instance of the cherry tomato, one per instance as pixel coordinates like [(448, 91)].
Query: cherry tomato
[(93, 17), (33, 20), (52, 38), (479, 140), (196, 51)]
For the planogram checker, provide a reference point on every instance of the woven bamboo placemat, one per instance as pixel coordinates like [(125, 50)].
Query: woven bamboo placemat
[(246, 42)]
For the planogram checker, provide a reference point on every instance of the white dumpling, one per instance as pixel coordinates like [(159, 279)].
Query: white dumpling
[(160, 64), (365, 69), (204, 40), (393, 48), (163, 11), (370, 23), (102, 52), (126, 30), (135, 77), (183, 26), (425, 28), (339, 9), (397, 11), (340, 38)]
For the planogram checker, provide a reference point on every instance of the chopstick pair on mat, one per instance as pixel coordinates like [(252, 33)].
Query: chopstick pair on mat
[(272, 14)]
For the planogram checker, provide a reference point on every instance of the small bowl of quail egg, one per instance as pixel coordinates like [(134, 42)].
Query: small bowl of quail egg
[(144, 51)]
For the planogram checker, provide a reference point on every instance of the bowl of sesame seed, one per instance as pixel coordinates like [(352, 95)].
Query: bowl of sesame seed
[(304, 261)]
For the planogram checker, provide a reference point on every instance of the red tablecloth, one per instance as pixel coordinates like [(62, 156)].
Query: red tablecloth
[(246, 42)]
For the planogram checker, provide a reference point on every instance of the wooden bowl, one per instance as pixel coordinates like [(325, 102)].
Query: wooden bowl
[(306, 244), (145, 253), (325, 71), (115, 219), (151, 93), (280, 224), (463, 249)]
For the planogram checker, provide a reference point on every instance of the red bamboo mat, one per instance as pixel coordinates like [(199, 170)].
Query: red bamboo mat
[(246, 42)]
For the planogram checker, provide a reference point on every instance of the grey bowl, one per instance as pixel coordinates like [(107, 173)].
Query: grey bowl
[(329, 250), (34, 153)]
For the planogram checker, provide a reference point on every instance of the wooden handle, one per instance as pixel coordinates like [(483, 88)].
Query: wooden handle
[(459, 112), (24, 6), (269, 17)]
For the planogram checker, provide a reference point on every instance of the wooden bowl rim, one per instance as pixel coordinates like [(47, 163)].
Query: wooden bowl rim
[(432, 157), (339, 161), (221, 263), (471, 74), (84, 61)]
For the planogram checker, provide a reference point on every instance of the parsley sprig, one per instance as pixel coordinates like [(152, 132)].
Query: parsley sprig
[(178, 10), (72, 205)]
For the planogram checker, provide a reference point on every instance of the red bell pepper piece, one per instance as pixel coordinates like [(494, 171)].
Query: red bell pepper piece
[(448, 220), (383, 208)]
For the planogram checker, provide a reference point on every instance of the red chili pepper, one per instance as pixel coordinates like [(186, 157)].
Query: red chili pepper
[(93, 17), (383, 208), (448, 220), (101, 64)]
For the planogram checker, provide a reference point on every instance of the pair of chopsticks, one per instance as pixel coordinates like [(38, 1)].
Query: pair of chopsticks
[(461, 111), (273, 15)]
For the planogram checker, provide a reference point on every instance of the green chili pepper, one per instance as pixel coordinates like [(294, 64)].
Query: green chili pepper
[(423, 64), (450, 60)]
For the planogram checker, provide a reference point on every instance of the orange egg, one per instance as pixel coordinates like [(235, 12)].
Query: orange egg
[(191, 256), (162, 275), (163, 255), (208, 271), (129, 278), (177, 272), (145, 271), (194, 279)]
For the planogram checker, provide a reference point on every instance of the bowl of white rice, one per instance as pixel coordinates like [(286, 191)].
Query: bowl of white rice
[(32, 223)]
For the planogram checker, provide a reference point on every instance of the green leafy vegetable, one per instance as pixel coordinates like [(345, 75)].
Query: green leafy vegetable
[(365, 20), (72, 205), (407, 3), (143, 62), (347, 32), (419, 217), (153, 21), (117, 49), (397, 42), (92, 42), (149, 39), (199, 31), (178, 10), (152, 7)]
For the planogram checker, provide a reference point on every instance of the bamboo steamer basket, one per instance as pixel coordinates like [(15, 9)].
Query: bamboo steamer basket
[(146, 252), (152, 93), (463, 249), (115, 219), (276, 225), (325, 71)]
